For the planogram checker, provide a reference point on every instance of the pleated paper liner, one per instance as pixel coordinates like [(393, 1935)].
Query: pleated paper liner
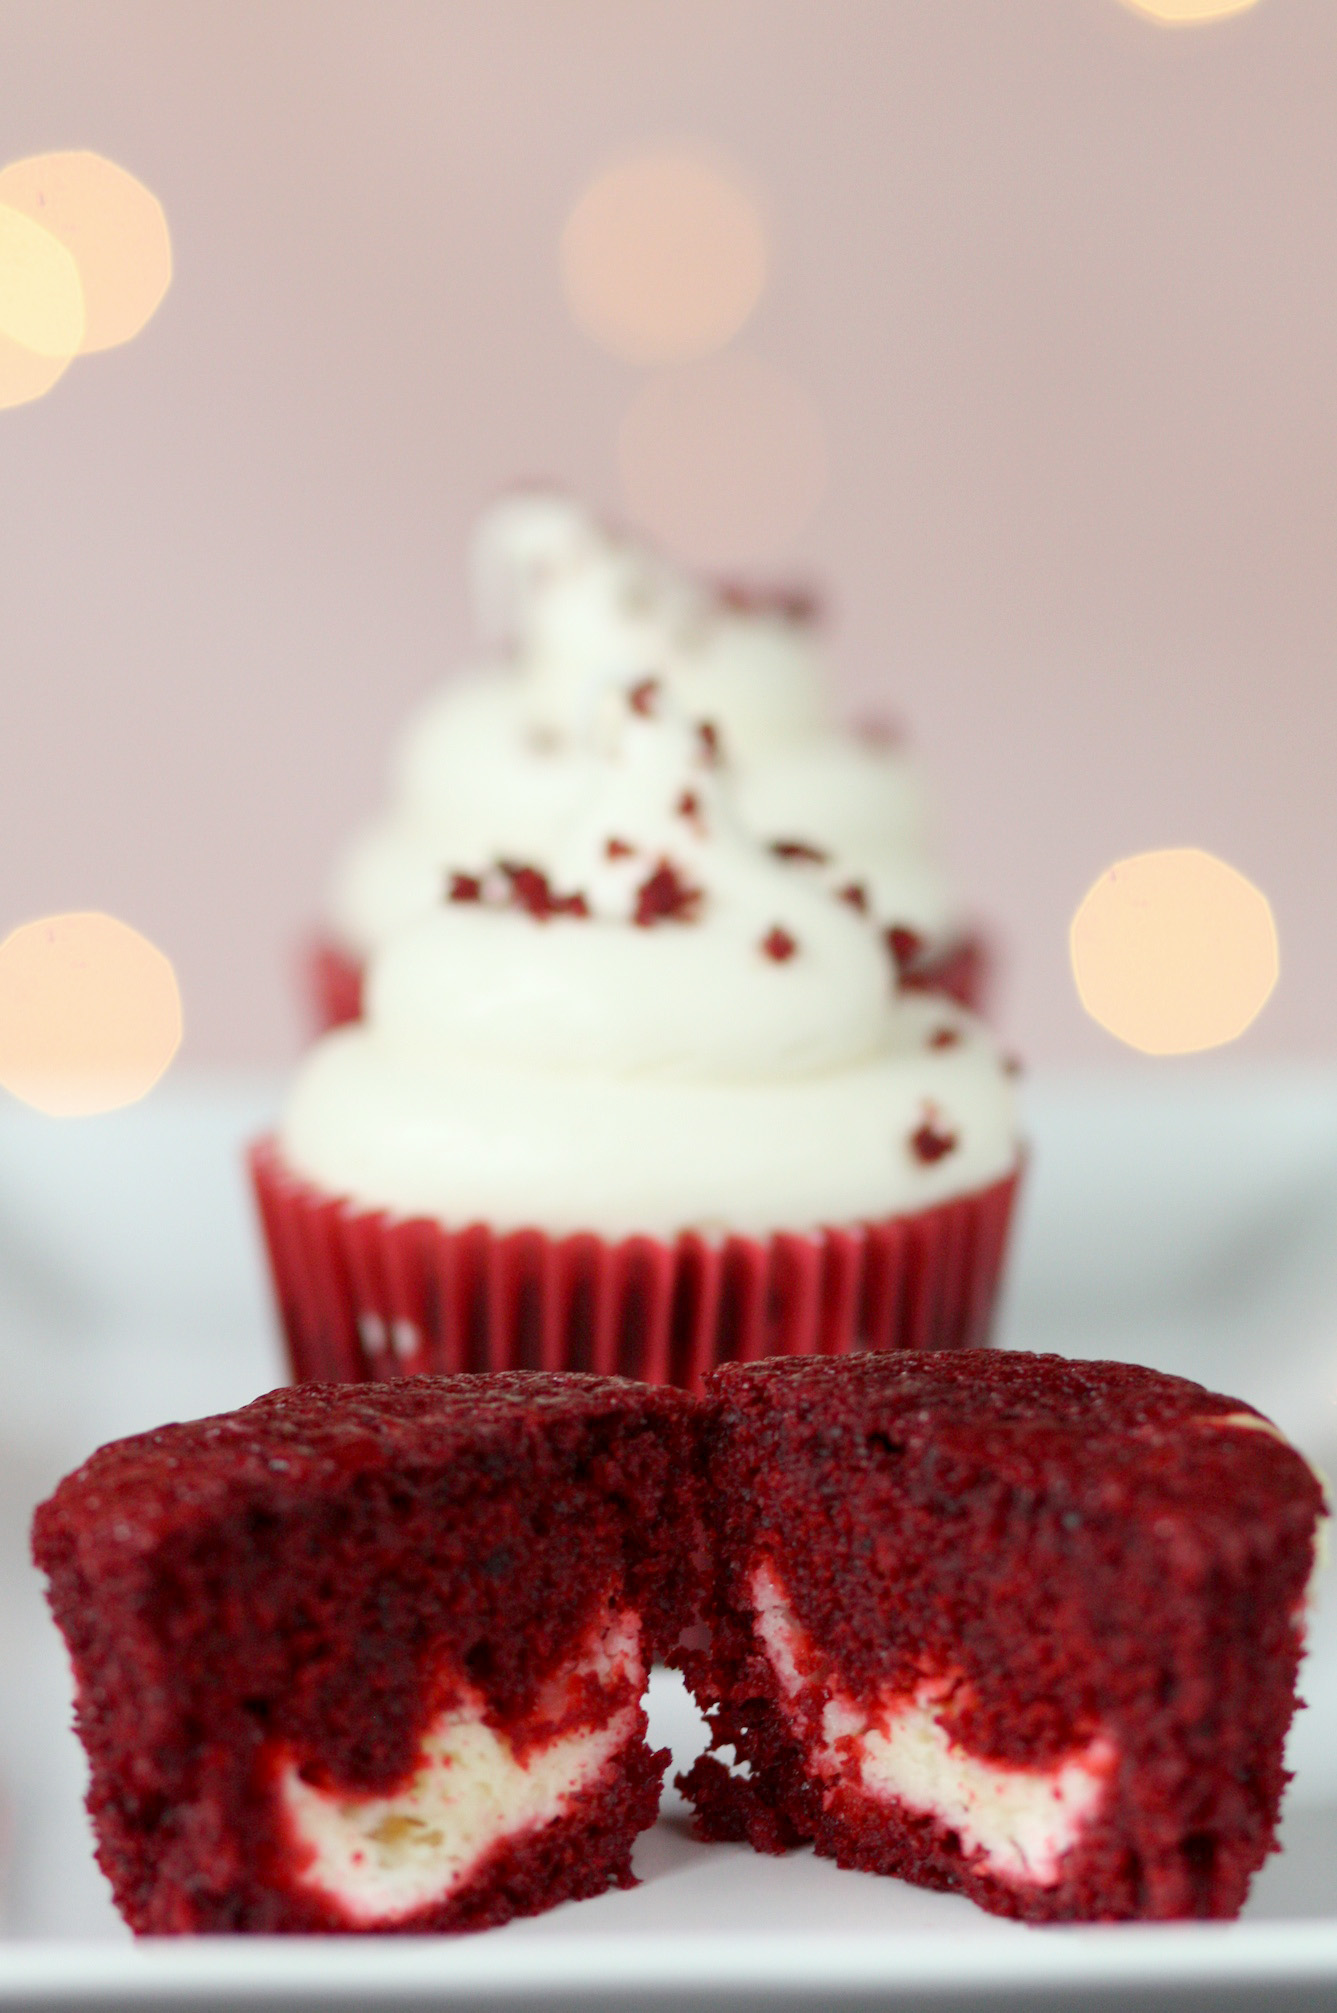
[(364, 1294), (332, 979), (332, 983)]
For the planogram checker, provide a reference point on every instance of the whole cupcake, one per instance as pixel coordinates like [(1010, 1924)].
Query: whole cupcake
[(493, 763), (649, 1105)]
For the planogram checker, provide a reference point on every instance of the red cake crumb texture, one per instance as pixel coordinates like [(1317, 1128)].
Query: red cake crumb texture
[(779, 945), (931, 1141), (1010, 1625), (664, 896), (512, 885), (304, 1634)]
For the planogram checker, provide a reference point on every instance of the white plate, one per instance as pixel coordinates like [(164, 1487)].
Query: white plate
[(1184, 1219)]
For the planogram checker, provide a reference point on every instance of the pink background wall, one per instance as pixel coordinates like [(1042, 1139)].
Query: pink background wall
[(1062, 285)]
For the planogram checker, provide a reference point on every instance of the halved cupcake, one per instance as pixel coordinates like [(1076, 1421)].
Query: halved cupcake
[(372, 1659), (653, 1104)]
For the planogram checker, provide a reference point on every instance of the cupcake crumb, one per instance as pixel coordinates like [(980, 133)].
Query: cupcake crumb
[(643, 698), (778, 944), (530, 891), (513, 886), (665, 897), (855, 893), (905, 945), (931, 1141), (799, 849), (944, 1037)]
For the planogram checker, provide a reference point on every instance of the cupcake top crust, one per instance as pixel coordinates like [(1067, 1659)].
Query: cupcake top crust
[(662, 1026)]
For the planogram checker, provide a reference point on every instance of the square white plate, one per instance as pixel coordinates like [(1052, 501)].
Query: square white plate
[(1186, 1219)]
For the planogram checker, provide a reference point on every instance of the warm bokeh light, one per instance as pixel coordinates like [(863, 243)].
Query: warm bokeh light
[(664, 257), (90, 1014), (1177, 13), (111, 227), (723, 462), (24, 375), (41, 299), (1174, 951)]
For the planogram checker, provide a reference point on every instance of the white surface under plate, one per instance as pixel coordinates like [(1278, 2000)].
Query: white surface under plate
[(1184, 1217)]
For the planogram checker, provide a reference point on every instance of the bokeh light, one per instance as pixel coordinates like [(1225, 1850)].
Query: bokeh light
[(90, 1014), (41, 298), (1174, 951), (664, 257), (1184, 13), (110, 226), (724, 462), (24, 375)]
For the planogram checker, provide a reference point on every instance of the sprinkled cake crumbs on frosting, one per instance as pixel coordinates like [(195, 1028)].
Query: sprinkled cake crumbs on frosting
[(663, 1026), (494, 765)]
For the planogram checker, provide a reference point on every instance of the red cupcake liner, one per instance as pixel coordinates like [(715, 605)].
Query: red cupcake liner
[(332, 981), (961, 969), (364, 1294)]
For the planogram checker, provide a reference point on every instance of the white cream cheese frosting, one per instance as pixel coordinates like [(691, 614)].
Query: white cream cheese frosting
[(666, 1028), (494, 760), (1019, 1823)]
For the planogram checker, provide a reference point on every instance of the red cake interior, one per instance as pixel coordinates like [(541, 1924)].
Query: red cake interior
[(273, 1616), (1006, 1624)]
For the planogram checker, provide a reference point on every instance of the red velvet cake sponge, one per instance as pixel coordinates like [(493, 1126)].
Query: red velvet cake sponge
[(372, 1656), (1011, 1625)]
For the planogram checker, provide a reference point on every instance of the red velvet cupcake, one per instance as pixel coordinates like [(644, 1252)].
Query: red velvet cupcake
[(1017, 1627), (373, 1659), (652, 1107)]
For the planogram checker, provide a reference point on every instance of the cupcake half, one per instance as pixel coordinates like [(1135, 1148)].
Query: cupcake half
[(651, 1107)]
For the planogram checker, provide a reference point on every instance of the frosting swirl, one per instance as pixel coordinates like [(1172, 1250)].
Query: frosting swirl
[(655, 854), (663, 1025), (499, 759)]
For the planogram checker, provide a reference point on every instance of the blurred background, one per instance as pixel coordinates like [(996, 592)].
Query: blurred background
[(1036, 379)]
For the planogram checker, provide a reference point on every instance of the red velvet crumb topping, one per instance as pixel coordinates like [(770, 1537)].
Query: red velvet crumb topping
[(708, 734), (905, 946), (778, 944), (856, 894), (665, 897), (643, 698), (944, 1037), (618, 849), (930, 1141), (689, 806), (798, 849), (530, 891), (526, 888)]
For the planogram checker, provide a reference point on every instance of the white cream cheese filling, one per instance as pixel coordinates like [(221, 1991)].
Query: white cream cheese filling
[(381, 1858), (1019, 1822)]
